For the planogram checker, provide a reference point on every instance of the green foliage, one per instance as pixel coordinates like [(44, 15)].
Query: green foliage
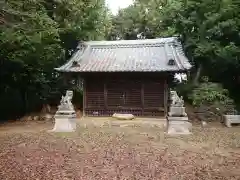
[(210, 34), (209, 30), (209, 99), (79, 20), (143, 17), (29, 50), (208, 96), (37, 36), (209, 93)]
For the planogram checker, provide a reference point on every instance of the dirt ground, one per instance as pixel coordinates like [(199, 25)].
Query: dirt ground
[(136, 152)]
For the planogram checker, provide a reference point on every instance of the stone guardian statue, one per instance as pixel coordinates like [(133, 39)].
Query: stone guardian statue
[(65, 117)]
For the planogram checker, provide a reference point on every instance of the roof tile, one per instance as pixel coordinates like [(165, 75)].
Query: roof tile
[(149, 55)]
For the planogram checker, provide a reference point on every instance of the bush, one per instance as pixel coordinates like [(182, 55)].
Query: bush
[(209, 99), (184, 89), (209, 93)]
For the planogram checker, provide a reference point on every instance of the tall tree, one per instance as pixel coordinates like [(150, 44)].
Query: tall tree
[(210, 32), (79, 20), (35, 35), (140, 20), (29, 50)]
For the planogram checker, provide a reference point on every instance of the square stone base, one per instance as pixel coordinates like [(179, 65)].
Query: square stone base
[(231, 119), (170, 118), (177, 111), (64, 124), (179, 128)]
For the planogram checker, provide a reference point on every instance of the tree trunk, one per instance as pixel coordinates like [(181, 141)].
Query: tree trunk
[(197, 76), (24, 100)]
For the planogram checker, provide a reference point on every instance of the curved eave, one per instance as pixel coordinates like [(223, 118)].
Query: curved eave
[(100, 56), (118, 71)]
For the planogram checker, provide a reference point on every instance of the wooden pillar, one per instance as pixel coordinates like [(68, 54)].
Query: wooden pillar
[(105, 97), (142, 97), (84, 97), (165, 97)]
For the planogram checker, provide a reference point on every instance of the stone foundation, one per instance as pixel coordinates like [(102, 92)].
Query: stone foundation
[(177, 119), (179, 127), (178, 122), (64, 123), (177, 111)]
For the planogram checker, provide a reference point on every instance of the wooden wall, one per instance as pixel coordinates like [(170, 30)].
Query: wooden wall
[(139, 94)]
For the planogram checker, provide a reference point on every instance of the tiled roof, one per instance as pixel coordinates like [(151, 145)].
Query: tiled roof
[(148, 55)]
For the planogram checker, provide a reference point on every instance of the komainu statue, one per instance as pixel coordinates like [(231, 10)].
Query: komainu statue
[(65, 117), (176, 100), (66, 102)]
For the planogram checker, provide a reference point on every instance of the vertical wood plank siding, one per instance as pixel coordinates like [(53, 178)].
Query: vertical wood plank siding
[(141, 96)]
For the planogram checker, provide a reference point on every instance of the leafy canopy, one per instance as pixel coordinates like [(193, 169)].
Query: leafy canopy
[(37, 36)]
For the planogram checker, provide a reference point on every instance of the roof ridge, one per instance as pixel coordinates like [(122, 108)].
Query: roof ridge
[(131, 42), (127, 45)]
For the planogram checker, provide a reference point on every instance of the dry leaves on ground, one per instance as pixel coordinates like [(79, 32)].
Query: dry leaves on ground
[(115, 153)]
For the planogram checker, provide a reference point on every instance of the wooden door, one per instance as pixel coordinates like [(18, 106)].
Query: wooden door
[(95, 94), (115, 94), (133, 94), (153, 98), (124, 94)]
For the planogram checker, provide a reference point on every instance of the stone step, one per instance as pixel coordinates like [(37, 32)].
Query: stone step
[(173, 118)]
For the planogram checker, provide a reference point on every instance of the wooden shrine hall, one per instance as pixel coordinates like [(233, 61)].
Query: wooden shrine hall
[(127, 76)]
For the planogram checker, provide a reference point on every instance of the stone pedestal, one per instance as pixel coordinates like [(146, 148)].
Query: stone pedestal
[(231, 119), (65, 117), (177, 111), (179, 125), (178, 122), (65, 122)]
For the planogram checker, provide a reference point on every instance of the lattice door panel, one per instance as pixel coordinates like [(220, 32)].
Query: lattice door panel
[(115, 94), (133, 94), (94, 94), (153, 94)]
